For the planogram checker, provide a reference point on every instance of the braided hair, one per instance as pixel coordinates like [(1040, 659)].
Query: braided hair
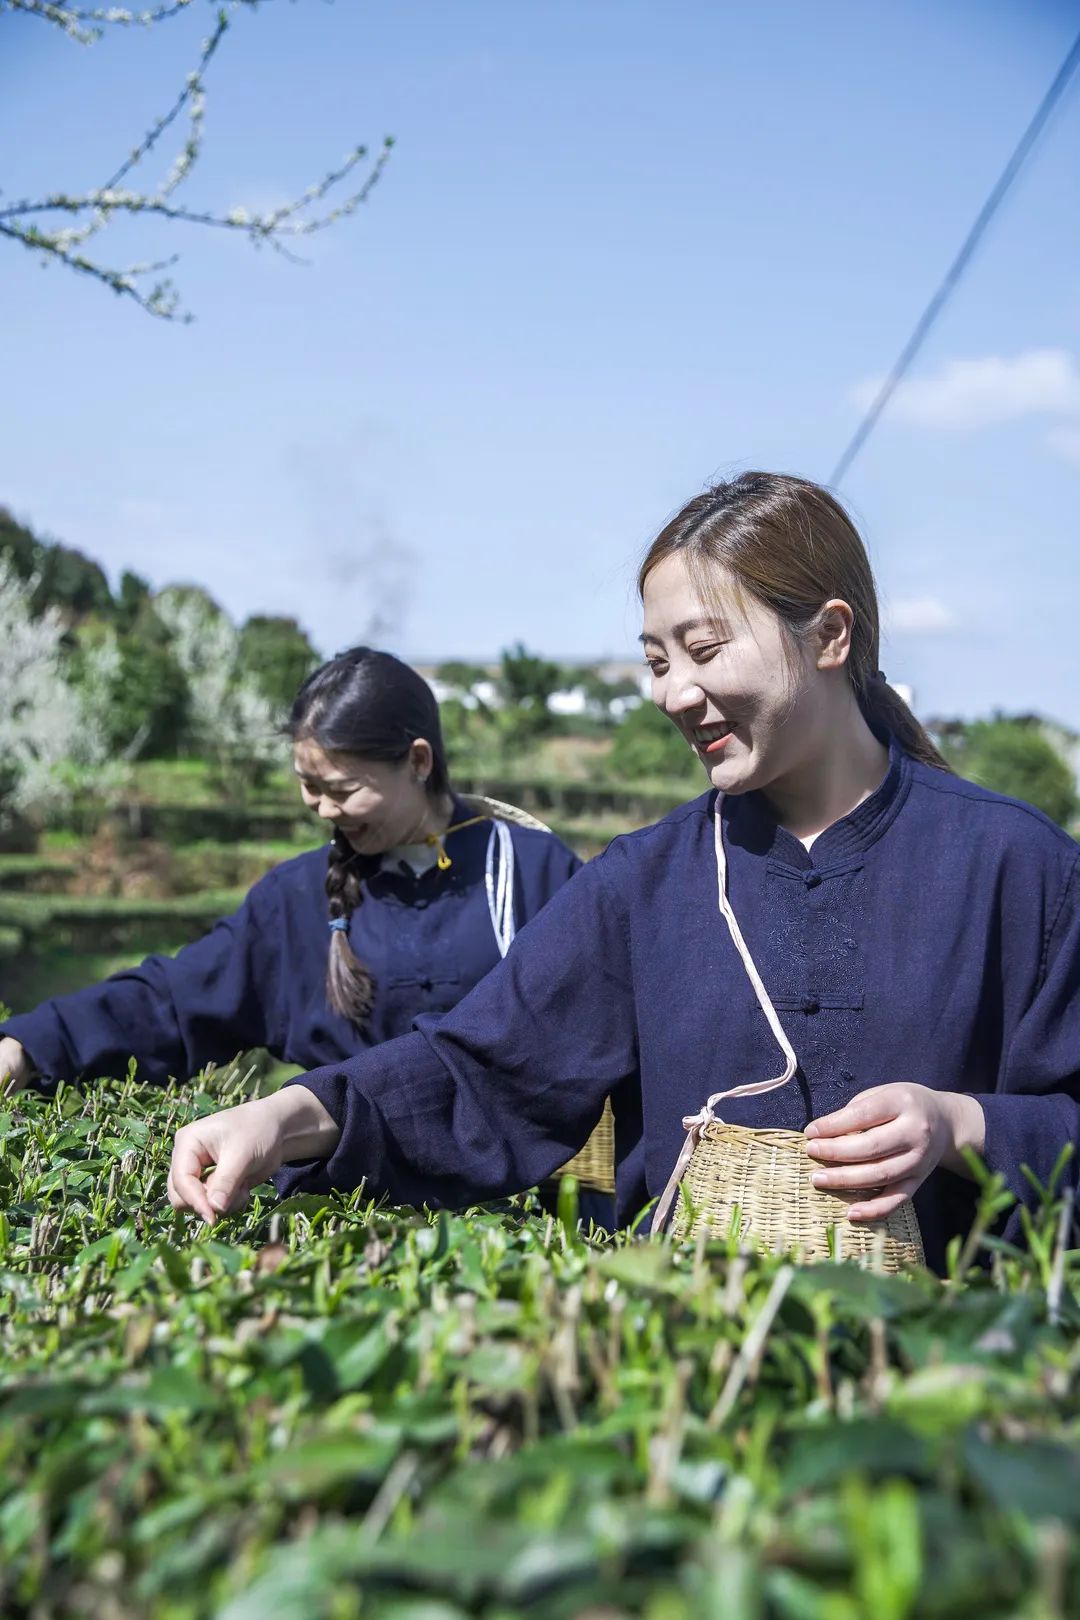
[(371, 705)]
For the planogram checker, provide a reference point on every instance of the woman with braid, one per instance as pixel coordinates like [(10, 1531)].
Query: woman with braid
[(338, 949)]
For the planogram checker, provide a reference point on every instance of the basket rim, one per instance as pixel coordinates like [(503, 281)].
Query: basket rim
[(499, 810)]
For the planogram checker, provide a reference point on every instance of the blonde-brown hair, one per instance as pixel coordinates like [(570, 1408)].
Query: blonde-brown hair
[(789, 544)]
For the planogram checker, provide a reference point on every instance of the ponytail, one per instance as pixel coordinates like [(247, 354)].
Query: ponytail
[(350, 988), (884, 710)]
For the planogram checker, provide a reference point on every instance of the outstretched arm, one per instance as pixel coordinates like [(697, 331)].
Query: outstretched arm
[(173, 1014), (484, 1102)]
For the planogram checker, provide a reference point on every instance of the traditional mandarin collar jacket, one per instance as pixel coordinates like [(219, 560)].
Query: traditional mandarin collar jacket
[(932, 935)]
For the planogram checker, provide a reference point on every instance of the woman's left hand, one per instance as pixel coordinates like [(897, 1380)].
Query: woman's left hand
[(886, 1141), (241, 1146)]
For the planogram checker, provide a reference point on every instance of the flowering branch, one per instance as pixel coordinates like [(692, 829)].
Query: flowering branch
[(88, 25), (94, 210)]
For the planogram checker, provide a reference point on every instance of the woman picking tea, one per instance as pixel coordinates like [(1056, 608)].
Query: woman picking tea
[(915, 937), (339, 949)]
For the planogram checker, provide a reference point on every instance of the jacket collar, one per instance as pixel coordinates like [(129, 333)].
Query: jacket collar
[(750, 823)]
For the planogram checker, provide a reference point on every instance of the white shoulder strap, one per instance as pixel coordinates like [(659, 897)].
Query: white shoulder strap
[(499, 878)]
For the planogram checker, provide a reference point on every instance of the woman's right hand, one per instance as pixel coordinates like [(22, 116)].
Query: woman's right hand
[(16, 1070)]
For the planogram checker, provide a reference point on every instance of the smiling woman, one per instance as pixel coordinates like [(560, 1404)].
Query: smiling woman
[(416, 897), (912, 940)]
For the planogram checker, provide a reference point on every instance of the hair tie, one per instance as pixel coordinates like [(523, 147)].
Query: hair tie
[(880, 675), (339, 925)]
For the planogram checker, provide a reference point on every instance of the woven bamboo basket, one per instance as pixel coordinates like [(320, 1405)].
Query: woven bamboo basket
[(761, 1180), (594, 1166), (498, 811)]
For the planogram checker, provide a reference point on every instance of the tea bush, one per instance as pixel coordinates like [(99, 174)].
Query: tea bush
[(327, 1409)]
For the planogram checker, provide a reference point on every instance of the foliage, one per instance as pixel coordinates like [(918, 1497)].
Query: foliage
[(60, 576), (526, 683), (467, 683), (231, 722), (43, 722), (334, 1410), (60, 225), (132, 599), (133, 688), (606, 700), (156, 674), (647, 746), (489, 723), (276, 656), (150, 701), (1014, 757)]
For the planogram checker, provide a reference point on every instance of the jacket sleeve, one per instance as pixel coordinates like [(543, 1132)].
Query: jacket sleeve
[(173, 1014), (500, 1092), (1035, 1111), (544, 864)]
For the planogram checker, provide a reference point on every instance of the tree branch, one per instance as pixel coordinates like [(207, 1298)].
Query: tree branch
[(94, 210)]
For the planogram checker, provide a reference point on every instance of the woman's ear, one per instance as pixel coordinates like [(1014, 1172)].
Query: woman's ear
[(421, 759), (833, 634)]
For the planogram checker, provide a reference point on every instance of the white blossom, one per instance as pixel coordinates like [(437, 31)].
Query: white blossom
[(44, 722), (230, 718)]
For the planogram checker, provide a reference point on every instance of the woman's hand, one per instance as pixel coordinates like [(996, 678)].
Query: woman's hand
[(242, 1146), (16, 1070), (886, 1141)]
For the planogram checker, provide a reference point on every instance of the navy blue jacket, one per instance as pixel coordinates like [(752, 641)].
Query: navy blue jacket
[(932, 935), (258, 977)]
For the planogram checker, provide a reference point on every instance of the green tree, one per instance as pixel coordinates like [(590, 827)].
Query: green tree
[(132, 600), (526, 683), (463, 680), (149, 714), (71, 582), (276, 656), (63, 578), (18, 544), (134, 688), (1012, 756), (647, 745), (599, 693)]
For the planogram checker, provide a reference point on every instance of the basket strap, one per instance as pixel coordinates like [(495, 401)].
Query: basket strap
[(500, 885), (694, 1124)]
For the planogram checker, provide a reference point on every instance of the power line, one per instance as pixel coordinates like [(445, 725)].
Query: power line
[(960, 263)]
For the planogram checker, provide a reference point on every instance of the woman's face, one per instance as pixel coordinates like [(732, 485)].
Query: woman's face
[(728, 678), (376, 804)]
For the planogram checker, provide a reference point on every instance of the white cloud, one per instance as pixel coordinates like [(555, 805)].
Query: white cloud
[(1065, 442), (919, 615), (977, 393)]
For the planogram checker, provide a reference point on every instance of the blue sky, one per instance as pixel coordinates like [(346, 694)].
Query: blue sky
[(621, 248)]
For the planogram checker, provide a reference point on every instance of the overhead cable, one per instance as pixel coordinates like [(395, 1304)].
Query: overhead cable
[(960, 263)]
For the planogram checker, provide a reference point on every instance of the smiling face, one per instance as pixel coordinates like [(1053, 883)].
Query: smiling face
[(376, 804), (746, 697)]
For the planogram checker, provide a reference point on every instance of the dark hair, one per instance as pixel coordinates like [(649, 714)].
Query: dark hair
[(789, 544), (371, 705)]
